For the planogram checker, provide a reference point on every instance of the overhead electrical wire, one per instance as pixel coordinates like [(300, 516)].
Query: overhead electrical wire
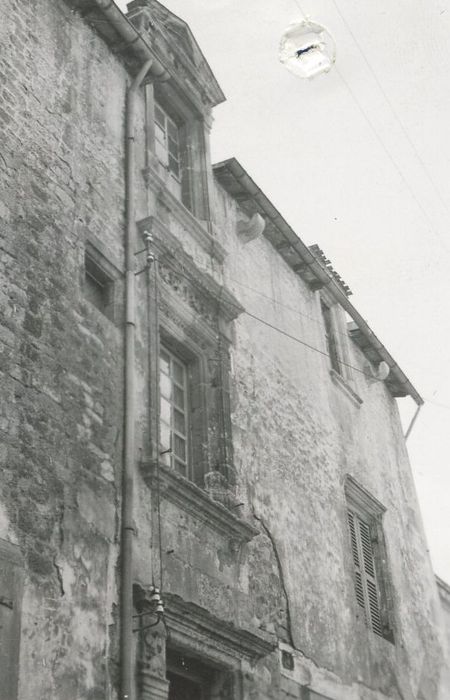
[(304, 343), (391, 107), (405, 181), (394, 163), (267, 323)]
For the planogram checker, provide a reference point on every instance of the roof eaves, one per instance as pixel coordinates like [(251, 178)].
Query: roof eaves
[(309, 267)]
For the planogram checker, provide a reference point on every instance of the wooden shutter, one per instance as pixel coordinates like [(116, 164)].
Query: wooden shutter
[(366, 587)]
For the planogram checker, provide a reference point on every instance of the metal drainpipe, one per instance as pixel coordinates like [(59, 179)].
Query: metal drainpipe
[(126, 592), (414, 418)]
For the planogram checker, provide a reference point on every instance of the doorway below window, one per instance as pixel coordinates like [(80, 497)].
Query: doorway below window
[(183, 689), (189, 679)]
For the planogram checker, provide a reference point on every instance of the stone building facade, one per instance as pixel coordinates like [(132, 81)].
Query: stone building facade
[(168, 342)]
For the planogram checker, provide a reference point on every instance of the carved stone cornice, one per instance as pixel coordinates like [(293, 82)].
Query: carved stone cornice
[(196, 502), (170, 250), (361, 498), (194, 227), (194, 628)]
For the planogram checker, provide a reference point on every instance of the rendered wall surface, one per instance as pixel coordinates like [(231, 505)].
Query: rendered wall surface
[(296, 433)]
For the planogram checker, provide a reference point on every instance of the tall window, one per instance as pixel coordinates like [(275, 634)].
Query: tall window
[(174, 411), (167, 146), (366, 586), (370, 565), (330, 338)]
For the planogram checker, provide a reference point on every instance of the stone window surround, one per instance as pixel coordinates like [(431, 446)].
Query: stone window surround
[(190, 353), (366, 506), (111, 271), (195, 314), (343, 380), (194, 152)]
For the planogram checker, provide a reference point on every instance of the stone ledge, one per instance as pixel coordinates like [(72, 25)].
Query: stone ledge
[(346, 388), (196, 502), (193, 627), (193, 225)]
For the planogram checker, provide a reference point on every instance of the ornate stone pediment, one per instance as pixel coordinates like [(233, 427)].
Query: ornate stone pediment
[(195, 287), (194, 628), (176, 48)]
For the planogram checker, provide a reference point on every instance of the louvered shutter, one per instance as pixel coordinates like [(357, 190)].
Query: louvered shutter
[(367, 593), (359, 589)]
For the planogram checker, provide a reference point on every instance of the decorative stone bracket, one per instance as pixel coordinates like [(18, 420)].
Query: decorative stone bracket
[(251, 229)]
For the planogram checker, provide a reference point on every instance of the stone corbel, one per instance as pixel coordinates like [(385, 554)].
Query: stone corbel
[(249, 230)]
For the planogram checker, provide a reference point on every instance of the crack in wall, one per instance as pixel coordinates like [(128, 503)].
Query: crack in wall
[(58, 570), (286, 596), (281, 575)]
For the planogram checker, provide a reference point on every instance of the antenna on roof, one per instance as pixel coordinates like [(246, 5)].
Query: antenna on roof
[(307, 49)]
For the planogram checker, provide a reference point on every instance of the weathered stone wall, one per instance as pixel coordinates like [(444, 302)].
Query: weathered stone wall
[(61, 120), (296, 433)]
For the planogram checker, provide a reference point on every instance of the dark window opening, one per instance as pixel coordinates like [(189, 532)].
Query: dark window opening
[(98, 286), (330, 339), (181, 688)]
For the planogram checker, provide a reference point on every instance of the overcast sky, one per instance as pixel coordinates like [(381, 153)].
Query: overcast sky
[(357, 161)]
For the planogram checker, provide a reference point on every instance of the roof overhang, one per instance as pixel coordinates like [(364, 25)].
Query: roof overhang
[(236, 181)]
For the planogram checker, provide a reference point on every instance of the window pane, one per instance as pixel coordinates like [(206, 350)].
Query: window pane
[(173, 148), (180, 467), (178, 397), (165, 435), (179, 422), (161, 153), (164, 362), (165, 386), (174, 167), (179, 447), (160, 117), (160, 134), (166, 409), (173, 420), (178, 373), (172, 130)]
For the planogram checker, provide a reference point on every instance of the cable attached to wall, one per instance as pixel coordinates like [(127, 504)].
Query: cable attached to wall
[(153, 327)]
